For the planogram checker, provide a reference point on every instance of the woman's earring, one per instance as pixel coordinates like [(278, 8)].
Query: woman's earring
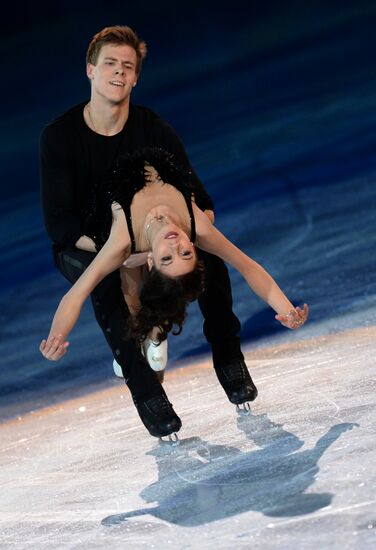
[(150, 260)]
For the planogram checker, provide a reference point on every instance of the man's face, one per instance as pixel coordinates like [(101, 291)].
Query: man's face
[(114, 75)]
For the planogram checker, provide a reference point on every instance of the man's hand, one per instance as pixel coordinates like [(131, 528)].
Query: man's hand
[(85, 243), (295, 318), (54, 348)]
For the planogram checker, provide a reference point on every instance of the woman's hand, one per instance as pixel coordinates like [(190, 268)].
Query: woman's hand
[(295, 318), (54, 348), (66, 316)]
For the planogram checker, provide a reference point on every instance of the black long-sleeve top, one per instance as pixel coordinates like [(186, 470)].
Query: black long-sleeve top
[(73, 158)]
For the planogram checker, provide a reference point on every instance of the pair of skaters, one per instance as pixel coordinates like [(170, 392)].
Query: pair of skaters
[(115, 180)]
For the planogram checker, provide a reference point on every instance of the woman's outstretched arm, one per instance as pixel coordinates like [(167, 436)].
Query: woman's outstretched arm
[(109, 258), (213, 241)]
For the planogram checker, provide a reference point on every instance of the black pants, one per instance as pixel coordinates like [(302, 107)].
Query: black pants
[(221, 326)]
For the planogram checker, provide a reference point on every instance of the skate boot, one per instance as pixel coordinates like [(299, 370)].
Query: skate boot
[(237, 383), (158, 416), (117, 369), (156, 356)]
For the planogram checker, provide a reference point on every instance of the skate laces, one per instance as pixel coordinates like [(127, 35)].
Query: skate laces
[(159, 405), (235, 371)]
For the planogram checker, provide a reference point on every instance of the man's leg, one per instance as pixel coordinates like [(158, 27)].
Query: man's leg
[(221, 329), (112, 315)]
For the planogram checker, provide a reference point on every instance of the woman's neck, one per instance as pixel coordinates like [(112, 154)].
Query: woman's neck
[(158, 216), (157, 201)]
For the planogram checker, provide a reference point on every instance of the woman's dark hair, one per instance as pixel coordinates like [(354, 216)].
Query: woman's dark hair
[(164, 301)]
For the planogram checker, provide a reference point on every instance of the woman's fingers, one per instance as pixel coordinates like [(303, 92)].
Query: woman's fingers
[(42, 346), (52, 344), (53, 348), (295, 318), (61, 350), (302, 313)]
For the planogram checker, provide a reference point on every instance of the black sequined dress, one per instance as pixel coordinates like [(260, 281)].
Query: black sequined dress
[(128, 178)]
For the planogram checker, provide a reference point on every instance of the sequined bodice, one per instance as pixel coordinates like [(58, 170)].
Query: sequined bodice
[(129, 176)]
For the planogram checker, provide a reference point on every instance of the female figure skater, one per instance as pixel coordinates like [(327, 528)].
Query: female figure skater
[(149, 206)]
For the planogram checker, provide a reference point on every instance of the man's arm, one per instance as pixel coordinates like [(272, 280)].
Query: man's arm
[(60, 209), (85, 243)]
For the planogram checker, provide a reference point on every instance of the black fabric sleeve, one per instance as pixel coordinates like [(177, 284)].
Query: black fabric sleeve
[(166, 138), (60, 209)]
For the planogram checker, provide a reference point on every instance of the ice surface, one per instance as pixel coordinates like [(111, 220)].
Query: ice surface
[(85, 473)]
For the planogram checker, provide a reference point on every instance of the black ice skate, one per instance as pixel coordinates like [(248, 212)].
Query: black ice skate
[(237, 383), (158, 417)]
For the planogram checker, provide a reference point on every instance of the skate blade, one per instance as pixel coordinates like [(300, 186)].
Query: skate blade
[(243, 408), (171, 439)]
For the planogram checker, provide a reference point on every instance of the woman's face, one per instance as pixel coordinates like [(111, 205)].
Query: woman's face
[(172, 252)]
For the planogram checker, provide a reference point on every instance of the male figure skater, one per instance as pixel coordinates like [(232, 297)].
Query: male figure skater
[(76, 152)]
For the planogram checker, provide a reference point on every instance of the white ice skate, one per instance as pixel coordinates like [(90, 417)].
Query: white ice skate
[(117, 369), (155, 354)]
